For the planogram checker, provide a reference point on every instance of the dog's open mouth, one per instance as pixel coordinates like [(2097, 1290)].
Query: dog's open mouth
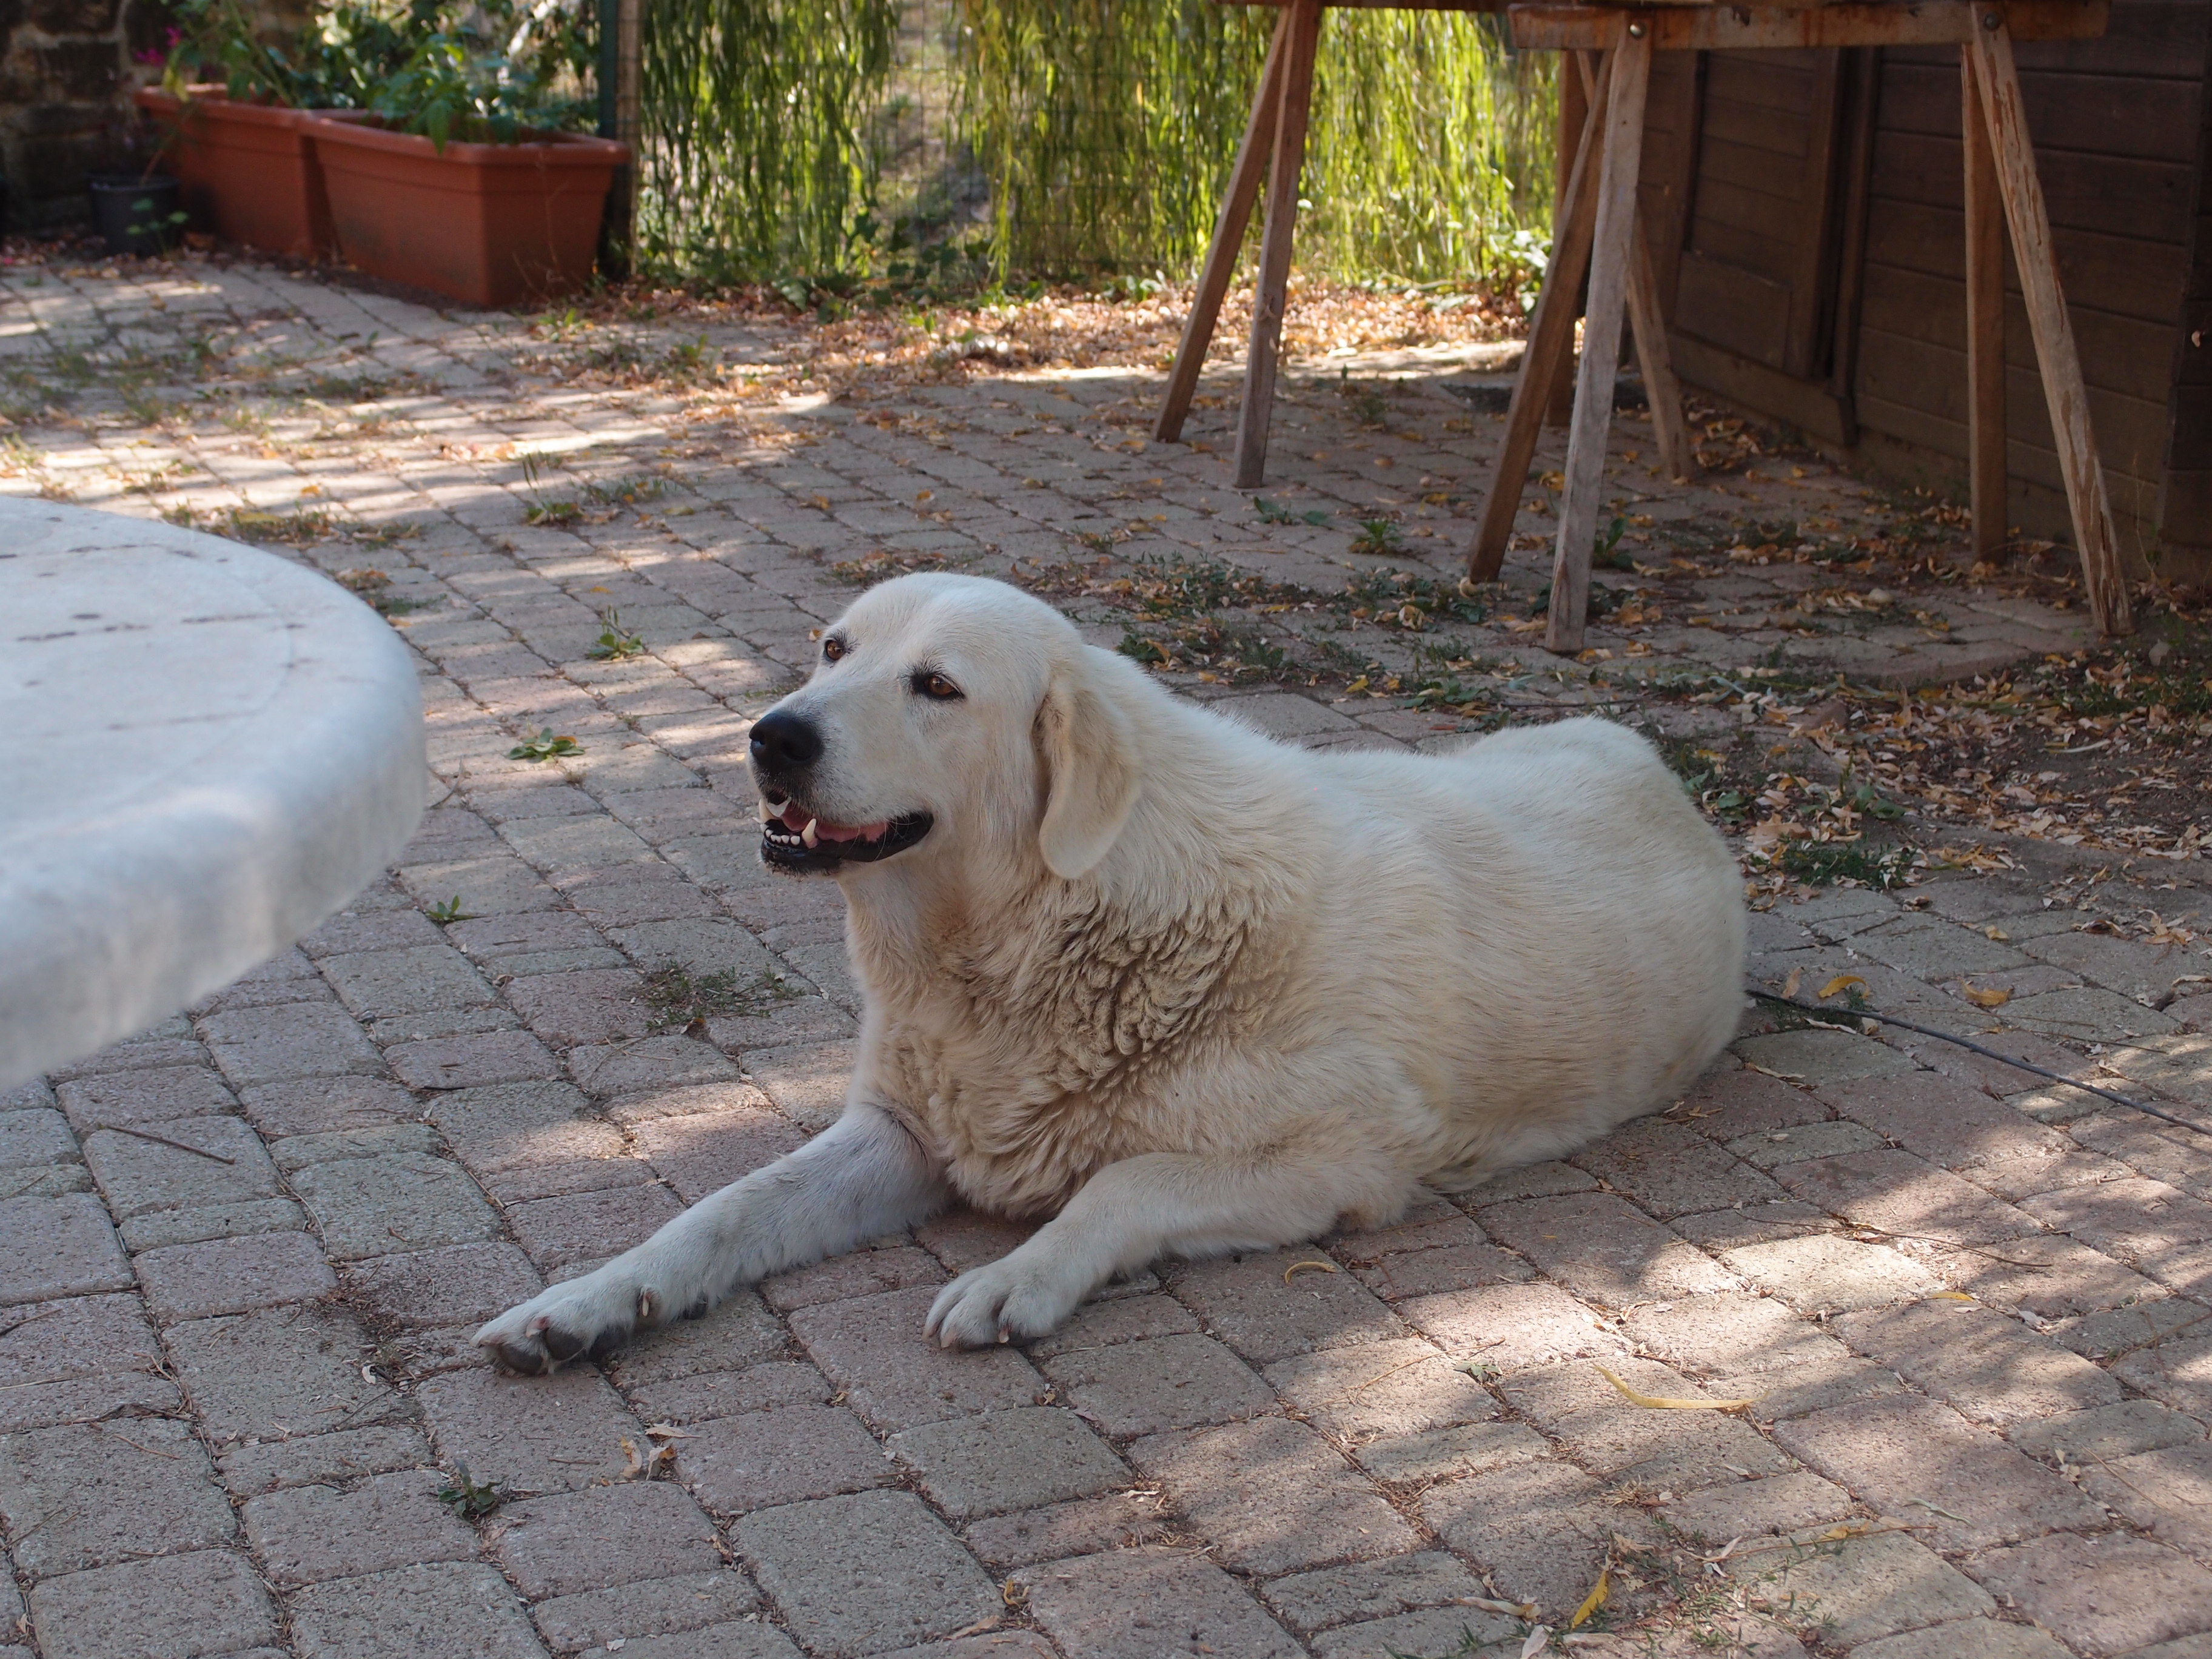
[(796, 839)]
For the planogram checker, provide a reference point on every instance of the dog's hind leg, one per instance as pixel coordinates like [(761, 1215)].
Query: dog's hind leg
[(1322, 1161), (862, 1176)]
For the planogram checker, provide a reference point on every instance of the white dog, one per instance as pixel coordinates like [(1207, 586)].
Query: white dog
[(1182, 988)]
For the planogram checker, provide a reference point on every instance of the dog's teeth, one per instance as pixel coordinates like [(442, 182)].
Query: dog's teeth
[(769, 814), (808, 834)]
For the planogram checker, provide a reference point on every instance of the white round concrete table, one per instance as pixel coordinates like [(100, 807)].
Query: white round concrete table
[(205, 751)]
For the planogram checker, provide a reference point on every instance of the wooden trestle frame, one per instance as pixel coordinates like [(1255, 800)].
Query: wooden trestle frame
[(1598, 233)]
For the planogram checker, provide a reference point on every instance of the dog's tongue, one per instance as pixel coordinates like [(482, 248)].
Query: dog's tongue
[(795, 819)]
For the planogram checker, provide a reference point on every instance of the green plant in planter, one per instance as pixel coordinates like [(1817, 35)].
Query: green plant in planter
[(447, 89)]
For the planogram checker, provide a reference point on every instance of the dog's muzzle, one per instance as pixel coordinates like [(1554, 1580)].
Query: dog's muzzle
[(794, 839)]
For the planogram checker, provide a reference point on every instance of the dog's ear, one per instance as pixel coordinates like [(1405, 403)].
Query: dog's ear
[(1088, 744)]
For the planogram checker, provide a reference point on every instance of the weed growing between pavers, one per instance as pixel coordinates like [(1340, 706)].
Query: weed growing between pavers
[(469, 1498), (615, 642), (545, 746), (677, 1000)]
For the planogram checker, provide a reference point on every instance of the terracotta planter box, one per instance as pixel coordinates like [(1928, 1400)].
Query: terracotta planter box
[(485, 224), (247, 171)]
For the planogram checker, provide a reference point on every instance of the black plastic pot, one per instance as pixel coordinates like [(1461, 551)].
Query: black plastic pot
[(136, 214)]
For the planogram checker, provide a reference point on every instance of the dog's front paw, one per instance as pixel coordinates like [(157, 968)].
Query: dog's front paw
[(1011, 1298), (591, 1316)]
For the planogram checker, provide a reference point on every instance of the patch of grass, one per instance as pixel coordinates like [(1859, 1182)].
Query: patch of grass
[(677, 999), (544, 747), (1825, 863), (626, 491), (1383, 595), (375, 589), (1276, 513), (557, 514), (469, 1498), (615, 642), (1377, 535), (883, 564), (294, 528)]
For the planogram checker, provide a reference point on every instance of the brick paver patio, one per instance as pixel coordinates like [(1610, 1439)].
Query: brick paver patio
[(241, 1256)]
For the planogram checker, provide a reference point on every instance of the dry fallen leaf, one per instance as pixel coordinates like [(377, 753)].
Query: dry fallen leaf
[(1790, 985), (1841, 982), (1535, 1645), (1981, 996), (1997, 932), (1595, 1599), (1658, 1402), (1948, 1295), (1306, 1267)]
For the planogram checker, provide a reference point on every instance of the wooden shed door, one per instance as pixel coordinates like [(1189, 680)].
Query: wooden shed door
[(1756, 275)]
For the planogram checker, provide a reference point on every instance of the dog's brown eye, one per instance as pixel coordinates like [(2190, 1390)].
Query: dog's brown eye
[(935, 686), (832, 648)]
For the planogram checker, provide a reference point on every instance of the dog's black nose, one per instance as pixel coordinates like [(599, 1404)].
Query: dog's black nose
[(785, 742)]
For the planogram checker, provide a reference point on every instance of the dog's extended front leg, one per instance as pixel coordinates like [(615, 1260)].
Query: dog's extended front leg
[(1310, 1173), (862, 1176)]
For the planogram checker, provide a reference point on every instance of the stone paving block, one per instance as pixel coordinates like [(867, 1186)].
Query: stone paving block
[(78, 1359), (456, 1286), (1821, 1272), (400, 1201), (1952, 1125), (178, 1607), (233, 1275), (136, 1174), (153, 1096), (1668, 1168), (320, 1105), (58, 1247), (1988, 1368), (1116, 1316), (872, 1348), (702, 1152), (1729, 1105), (2167, 1491), (1930, 948), (738, 1332), (999, 1644), (567, 1009), (1970, 1638), (473, 1061), (858, 1574), (1086, 1526), (88, 1494), (1539, 1529), (1150, 1604), (590, 1227), (1733, 1334), (1606, 1434), (437, 1608), (1271, 1496), (1422, 1460), (1435, 1273), (2119, 1431), (857, 1273), (2139, 1221), (1789, 1503), (167, 1044), (297, 1040), (334, 1459), (1246, 1302), (604, 1536), (740, 1463), (1603, 1247), (1019, 1459), (1369, 1589), (307, 1535), (295, 1153), (2101, 1596), (1159, 1383), (2084, 1011), (529, 1434), (1380, 1390), (2048, 1275), (380, 984), (963, 1239), (649, 1608), (1859, 1589), (514, 1125), (1902, 1455), (354, 931), (1905, 1195), (1509, 1325), (160, 1229), (281, 1371), (1768, 1149), (736, 1639), (1822, 1056), (807, 1083), (1435, 1630)]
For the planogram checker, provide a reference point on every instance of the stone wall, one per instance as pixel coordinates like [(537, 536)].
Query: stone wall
[(65, 85)]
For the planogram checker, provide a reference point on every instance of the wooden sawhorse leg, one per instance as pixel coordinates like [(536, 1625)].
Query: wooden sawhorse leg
[(1228, 238), (1550, 352), (1985, 320), (1303, 22), (1611, 249), (1988, 62)]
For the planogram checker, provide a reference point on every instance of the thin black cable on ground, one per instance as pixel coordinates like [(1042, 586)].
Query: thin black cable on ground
[(1975, 1047)]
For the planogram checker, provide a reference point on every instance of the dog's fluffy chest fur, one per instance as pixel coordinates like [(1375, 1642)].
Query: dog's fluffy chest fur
[(1028, 1059)]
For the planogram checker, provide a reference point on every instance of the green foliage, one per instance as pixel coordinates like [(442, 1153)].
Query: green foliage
[(1276, 513), (1376, 536), (1823, 863), (544, 747), (469, 1498), (615, 642)]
